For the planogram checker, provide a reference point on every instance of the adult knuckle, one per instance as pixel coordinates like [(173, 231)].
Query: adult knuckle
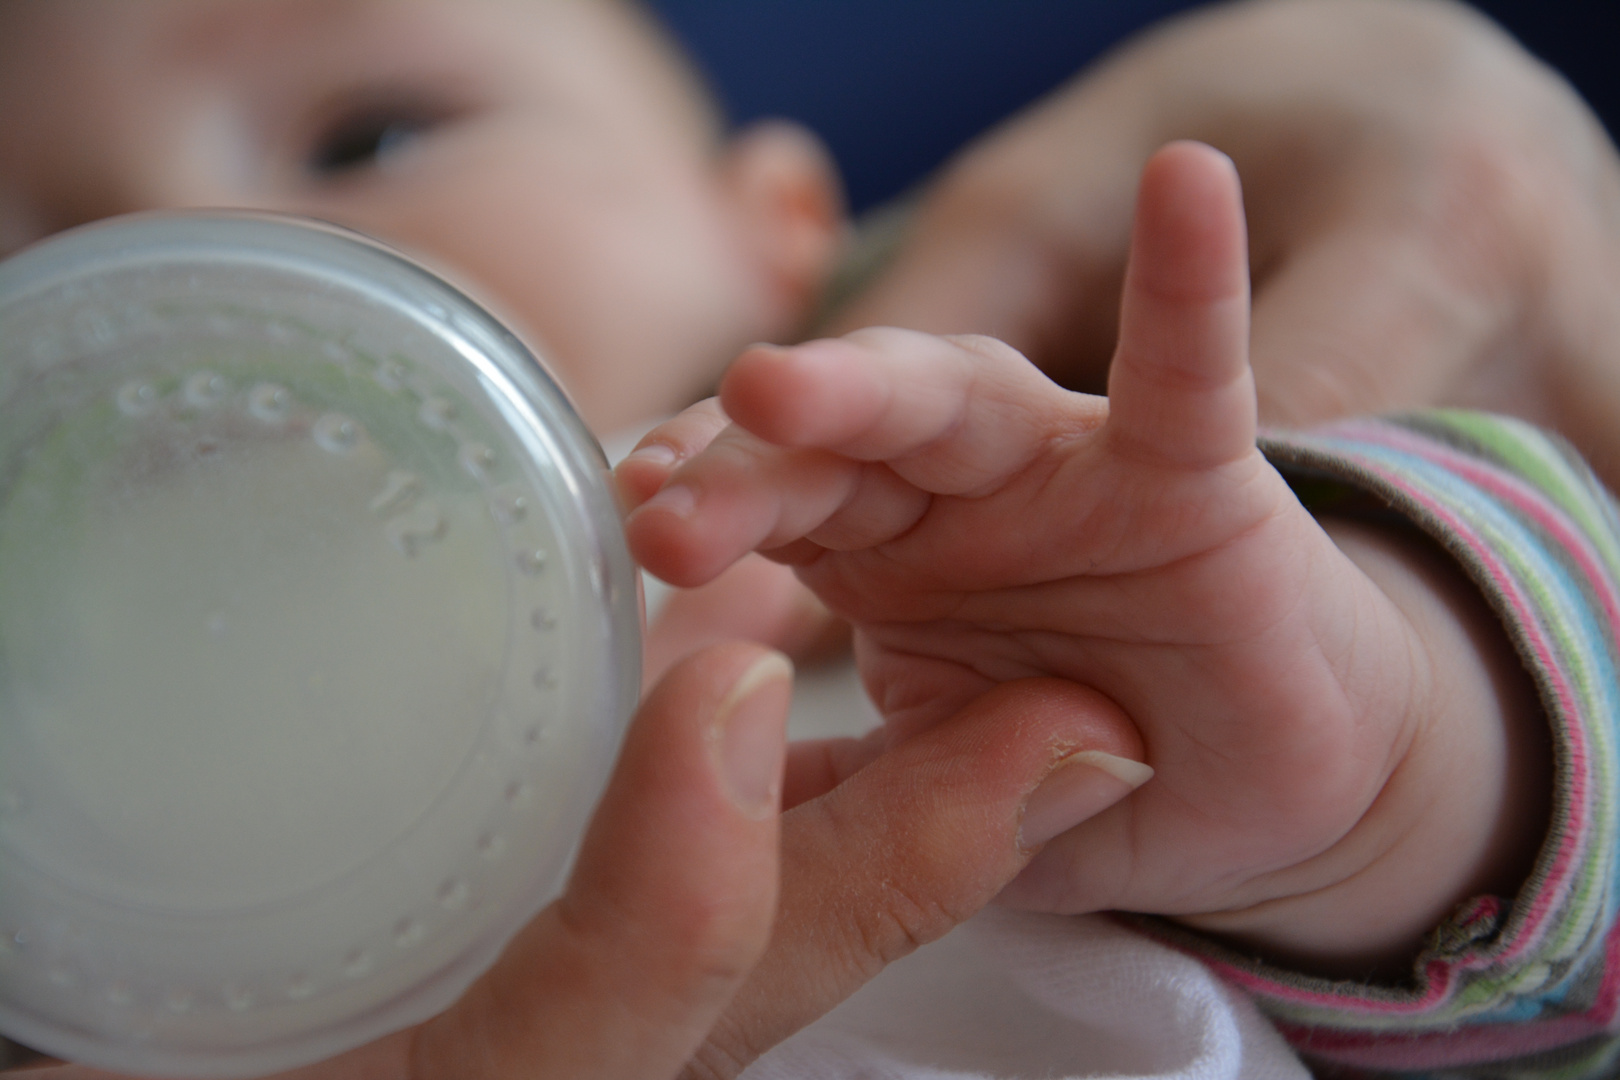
[(698, 951), (903, 919), (912, 902), (724, 1054), (710, 945)]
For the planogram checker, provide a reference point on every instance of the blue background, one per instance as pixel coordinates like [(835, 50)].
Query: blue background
[(895, 85)]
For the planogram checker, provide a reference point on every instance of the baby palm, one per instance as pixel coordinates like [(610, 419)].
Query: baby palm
[(978, 524)]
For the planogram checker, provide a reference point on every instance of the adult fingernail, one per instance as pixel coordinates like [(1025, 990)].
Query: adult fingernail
[(1079, 787), (749, 735)]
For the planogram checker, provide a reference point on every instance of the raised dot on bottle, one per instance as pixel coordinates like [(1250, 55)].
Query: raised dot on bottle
[(336, 433), (542, 619), (204, 389), (509, 507), (453, 894), (300, 988), (532, 561), (390, 376), (239, 998), (278, 332), (94, 327), (179, 1001), (119, 993), (517, 793), (545, 678), (400, 489), (269, 403), (137, 398), (357, 963), (416, 528), (492, 846), (533, 734), (336, 353), (437, 412), (477, 460), (408, 932), (62, 976)]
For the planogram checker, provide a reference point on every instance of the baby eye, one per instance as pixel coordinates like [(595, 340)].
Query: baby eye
[(367, 139)]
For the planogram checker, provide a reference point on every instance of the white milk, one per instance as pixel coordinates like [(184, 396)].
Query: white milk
[(236, 687)]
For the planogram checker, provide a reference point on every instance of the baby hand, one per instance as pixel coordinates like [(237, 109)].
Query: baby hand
[(978, 524)]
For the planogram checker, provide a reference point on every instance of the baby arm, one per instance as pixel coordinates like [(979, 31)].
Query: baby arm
[(1321, 718)]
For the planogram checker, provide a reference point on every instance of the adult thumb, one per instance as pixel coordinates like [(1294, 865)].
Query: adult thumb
[(670, 903)]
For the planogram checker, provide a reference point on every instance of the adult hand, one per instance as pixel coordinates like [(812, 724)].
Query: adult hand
[(1434, 216), (661, 956), (669, 906)]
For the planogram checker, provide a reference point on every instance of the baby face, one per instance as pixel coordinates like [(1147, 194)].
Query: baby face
[(550, 156)]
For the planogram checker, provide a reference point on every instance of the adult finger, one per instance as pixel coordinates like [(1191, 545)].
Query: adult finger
[(915, 842), (670, 903), (1371, 317)]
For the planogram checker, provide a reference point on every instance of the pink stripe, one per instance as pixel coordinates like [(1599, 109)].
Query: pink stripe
[(1464, 1046), (1440, 974), (1567, 863), (1606, 1006), (1453, 1049), (1522, 496)]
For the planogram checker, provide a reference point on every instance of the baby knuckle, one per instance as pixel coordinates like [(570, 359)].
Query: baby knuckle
[(988, 348)]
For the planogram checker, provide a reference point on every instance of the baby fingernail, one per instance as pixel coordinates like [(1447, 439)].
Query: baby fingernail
[(1079, 787), (749, 735), (653, 454), (677, 499)]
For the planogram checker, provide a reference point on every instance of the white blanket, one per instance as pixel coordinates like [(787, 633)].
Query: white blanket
[(1011, 994)]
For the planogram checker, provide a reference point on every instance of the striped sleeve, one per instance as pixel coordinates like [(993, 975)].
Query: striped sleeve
[(1522, 987)]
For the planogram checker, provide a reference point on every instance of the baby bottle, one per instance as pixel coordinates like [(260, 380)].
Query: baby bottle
[(317, 637)]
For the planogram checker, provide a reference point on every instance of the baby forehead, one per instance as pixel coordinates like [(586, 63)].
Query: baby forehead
[(609, 48), (203, 30)]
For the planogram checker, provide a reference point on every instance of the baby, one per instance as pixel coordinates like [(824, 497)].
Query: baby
[(557, 157), (1326, 703)]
